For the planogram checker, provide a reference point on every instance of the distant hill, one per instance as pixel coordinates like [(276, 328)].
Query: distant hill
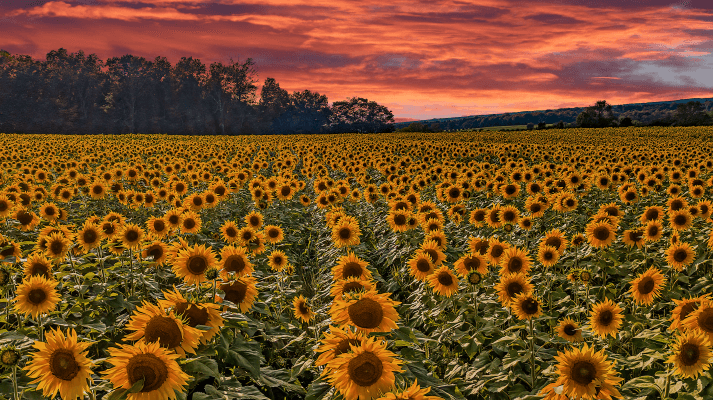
[(642, 113)]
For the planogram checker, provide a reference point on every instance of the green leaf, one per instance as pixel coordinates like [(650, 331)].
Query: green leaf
[(317, 390), (119, 394), (279, 378), (203, 365), (136, 387)]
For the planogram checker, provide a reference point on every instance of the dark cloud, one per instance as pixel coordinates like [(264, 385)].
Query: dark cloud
[(286, 60), (554, 19)]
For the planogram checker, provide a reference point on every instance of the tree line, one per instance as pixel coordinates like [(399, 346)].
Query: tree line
[(601, 114), (79, 94)]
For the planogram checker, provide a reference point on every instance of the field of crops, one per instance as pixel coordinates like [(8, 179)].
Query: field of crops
[(560, 264)]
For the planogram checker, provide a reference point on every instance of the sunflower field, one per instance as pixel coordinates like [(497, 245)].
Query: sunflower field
[(564, 264)]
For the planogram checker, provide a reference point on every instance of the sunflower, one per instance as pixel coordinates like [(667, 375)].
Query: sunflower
[(586, 374), (37, 265), (192, 263), (301, 310), (680, 220), (90, 236), (154, 364), (241, 292), (600, 234), (496, 250), (691, 354), (257, 244), (190, 222), (478, 245), (351, 266), (653, 230), (606, 318), (13, 249), (158, 227), (152, 323), (439, 237), (345, 233), (61, 365), (515, 260), (277, 260), (651, 213), (492, 217), (509, 215), (701, 319), (477, 217), (569, 331), (49, 211), (206, 314), (57, 246), (548, 256), (525, 223), (366, 311), (413, 392), (27, 219), (647, 286), (353, 284), (336, 342), (526, 306), (510, 286), (634, 237), (97, 190), (6, 206), (254, 220), (471, 262), (234, 259), (365, 372), (680, 255), (684, 308), (421, 265), (173, 218), (36, 295), (273, 234), (158, 251), (556, 239), (443, 281), (431, 248), (131, 236)]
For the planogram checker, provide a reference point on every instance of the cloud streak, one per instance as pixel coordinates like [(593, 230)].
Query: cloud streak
[(456, 58)]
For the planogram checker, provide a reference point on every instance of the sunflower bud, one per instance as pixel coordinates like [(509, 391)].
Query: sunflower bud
[(9, 357), (474, 278), (212, 274), (4, 277)]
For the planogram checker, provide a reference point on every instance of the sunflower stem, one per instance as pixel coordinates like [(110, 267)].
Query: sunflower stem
[(668, 381), (14, 382), (532, 352), (131, 273), (40, 330)]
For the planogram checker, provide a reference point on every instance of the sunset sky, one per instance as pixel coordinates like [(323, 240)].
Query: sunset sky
[(420, 60)]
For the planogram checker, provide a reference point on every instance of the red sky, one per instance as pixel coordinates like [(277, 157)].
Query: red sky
[(420, 58)]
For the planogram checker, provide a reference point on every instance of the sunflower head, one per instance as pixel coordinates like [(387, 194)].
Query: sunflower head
[(9, 356), (526, 306)]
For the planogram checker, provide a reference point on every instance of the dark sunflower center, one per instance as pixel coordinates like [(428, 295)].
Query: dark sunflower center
[(352, 269), (165, 330), (196, 315), (234, 263), (159, 225), (479, 216), (285, 191), (352, 287), (254, 221), (37, 296), (513, 289), (277, 260), (302, 307), (494, 216), (366, 313), (515, 264), (680, 220), (554, 242), (509, 216), (653, 230), (56, 247), (132, 235), (687, 309), (445, 279), (235, 292), (496, 251), (50, 211), (635, 236), (97, 189), (605, 318), (345, 233), (197, 265), (680, 255), (601, 233), (39, 269), (197, 201), (343, 346), (173, 219), (273, 233), (231, 232), (584, 372), (689, 354), (149, 368), (570, 330), (4, 205), (705, 320), (247, 236), (548, 255), (471, 263), (400, 220), (365, 369), (189, 223), (63, 365), (155, 251), (652, 215), (89, 236), (535, 207), (24, 217), (530, 306), (510, 189), (676, 205), (646, 285)]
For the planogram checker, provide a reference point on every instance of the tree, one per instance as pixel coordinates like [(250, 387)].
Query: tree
[(692, 114), (130, 79), (231, 88), (273, 102), (360, 115), (189, 107), (626, 121), (598, 115), (530, 126), (541, 125)]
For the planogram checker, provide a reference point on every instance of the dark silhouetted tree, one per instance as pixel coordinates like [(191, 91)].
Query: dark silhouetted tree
[(360, 115)]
